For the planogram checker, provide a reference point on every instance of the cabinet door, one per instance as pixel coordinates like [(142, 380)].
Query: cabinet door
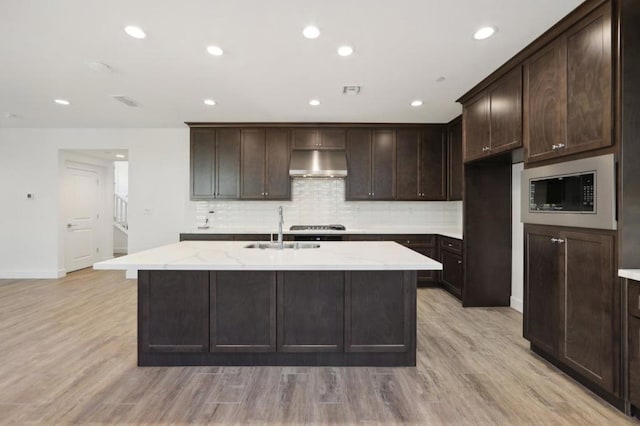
[(203, 147), (545, 97), (427, 276), (378, 311), (253, 164), (383, 171), (506, 112), (407, 143), (228, 163), (543, 268), (243, 311), (278, 153), (310, 311), (454, 169), (333, 138), (634, 360), (305, 139), (433, 164), (358, 179), (173, 311), (476, 140), (589, 80), (452, 271), (587, 307)]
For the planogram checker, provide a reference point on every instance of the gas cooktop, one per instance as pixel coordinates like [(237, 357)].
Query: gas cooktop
[(317, 228)]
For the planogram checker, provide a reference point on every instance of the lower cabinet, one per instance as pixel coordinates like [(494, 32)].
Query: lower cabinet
[(452, 271), (378, 316), (571, 310), (310, 311), (243, 311), (633, 318), (174, 311)]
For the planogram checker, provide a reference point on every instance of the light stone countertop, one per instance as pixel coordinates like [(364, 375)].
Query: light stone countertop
[(233, 256), (631, 274), (445, 231)]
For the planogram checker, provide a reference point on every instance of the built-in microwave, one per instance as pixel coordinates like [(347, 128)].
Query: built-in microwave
[(580, 193)]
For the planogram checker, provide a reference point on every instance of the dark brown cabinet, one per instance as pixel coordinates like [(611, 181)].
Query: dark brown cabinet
[(423, 244), (454, 160), (452, 265), (243, 311), (265, 164), (327, 138), (568, 91), (421, 164), (570, 300), (543, 277), (215, 163), (174, 308), (378, 316), (493, 119), (310, 311), (633, 324), (371, 160)]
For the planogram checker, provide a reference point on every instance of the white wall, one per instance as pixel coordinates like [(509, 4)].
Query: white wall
[(29, 158), (121, 178), (517, 259)]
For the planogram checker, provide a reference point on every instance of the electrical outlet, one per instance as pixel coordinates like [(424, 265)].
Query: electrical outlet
[(147, 212)]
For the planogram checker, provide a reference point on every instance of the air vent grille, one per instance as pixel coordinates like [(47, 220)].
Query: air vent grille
[(351, 90), (126, 100)]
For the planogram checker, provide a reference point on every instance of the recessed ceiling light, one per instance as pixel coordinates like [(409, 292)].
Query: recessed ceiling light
[(345, 50), (120, 155), (100, 67), (62, 101), (311, 31), (314, 102), (484, 32), (215, 50), (209, 102), (416, 103), (135, 32)]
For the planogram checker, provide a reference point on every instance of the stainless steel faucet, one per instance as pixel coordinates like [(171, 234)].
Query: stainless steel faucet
[(280, 223)]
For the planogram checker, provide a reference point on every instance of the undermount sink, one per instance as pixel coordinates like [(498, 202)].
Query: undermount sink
[(294, 246)]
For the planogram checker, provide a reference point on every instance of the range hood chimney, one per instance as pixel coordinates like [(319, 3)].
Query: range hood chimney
[(318, 164)]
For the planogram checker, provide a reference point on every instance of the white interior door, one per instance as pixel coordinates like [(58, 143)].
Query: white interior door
[(82, 208)]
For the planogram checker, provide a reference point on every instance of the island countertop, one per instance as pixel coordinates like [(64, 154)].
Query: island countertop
[(233, 256)]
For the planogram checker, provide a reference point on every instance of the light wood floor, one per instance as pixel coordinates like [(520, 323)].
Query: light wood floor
[(68, 355)]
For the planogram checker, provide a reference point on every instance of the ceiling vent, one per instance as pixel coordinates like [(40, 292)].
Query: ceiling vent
[(126, 100), (351, 90)]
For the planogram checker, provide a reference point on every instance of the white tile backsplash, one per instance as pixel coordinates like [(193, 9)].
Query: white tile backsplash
[(321, 201)]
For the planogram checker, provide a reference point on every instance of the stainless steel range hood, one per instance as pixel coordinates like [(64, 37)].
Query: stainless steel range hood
[(318, 164)]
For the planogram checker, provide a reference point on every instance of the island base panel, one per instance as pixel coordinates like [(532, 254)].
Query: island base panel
[(339, 303)]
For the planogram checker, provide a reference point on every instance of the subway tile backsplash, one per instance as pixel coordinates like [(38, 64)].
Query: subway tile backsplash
[(321, 201)]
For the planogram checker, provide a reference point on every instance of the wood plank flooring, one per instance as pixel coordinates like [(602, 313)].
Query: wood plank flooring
[(68, 356)]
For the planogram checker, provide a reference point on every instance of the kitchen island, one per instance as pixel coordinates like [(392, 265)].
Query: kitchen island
[(222, 303)]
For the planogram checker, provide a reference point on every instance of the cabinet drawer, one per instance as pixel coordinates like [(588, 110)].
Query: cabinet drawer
[(410, 240), (451, 244), (634, 361), (634, 298)]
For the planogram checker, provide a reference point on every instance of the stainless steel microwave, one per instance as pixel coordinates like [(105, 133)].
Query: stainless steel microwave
[(580, 193)]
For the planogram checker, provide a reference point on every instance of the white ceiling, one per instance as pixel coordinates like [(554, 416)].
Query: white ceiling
[(269, 71)]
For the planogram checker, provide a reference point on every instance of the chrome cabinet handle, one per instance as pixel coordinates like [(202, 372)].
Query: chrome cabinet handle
[(557, 240), (558, 146), (459, 262)]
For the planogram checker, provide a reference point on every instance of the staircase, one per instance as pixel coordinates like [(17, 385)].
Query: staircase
[(120, 206)]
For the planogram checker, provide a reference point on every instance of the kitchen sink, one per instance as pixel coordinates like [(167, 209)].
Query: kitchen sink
[(294, 246)]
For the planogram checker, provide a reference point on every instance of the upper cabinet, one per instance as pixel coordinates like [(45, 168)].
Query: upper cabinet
[(265, 164), (493, 119), (454, 160), (568, 91), (371, 155), (421, 163), (328, 138), (215, 163)]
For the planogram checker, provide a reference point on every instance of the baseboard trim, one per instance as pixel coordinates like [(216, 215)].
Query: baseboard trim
[(120, 250), (33, 275), (517, 304)]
